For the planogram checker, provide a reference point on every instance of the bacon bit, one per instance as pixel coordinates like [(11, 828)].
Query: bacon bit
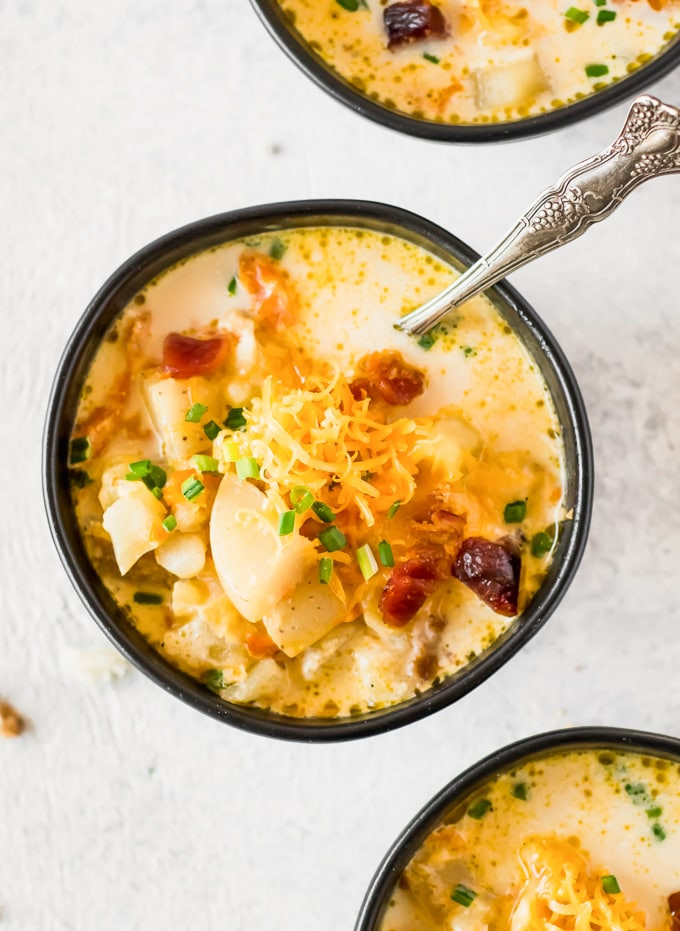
[(11, 722), (444, 528), (491, 571), (184, 356), (674, 907), (275, 303), (411, 583), (386, 376), (260, 645), (412, 21)]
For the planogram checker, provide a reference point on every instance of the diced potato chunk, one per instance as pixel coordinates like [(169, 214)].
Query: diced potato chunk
[(168, 400), (265, 680), (509, 85), (447, 446), (134, 523), (256, 567), (183, 554), (300, 620)]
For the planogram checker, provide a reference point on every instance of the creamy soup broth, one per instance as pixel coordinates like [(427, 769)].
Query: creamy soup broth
[(298, 504)]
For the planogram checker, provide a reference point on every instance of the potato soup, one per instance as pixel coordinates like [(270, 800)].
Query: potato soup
[(581, 840), (480, 61), (296, 503)]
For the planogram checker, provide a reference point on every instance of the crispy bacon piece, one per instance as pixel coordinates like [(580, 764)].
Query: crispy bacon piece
[(184, 356), (260, 645), (411, 583), (412, 21), (444, 528), (674, 907), (386, 376), (275, 302), (492, 571)]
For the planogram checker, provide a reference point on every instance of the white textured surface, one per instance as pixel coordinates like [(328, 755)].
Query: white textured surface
[(123, 809)]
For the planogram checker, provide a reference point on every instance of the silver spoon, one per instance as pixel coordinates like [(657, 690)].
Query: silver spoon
[(647, 146)]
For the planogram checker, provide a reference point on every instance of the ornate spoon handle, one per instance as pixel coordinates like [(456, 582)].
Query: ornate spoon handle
[(647, 146)]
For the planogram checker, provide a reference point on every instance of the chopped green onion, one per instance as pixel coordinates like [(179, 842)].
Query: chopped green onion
[(214, 679), (432, 58), (596, 71), (610, 885), (206, 463), (520, 791), (655, 812), (286, 523), (479, 808), (155, 477), (386, 554), (192, 488), (325, 569), (247, 467), (80, 478), (301, 498), (80, 450), (211, 429), (323, 512), (350, 5), (515, 512), (393, 509), (605, 16), (333, 539), (427, 340), (235, 419), (600, 2), (156, 492), (140, 468), (277, 249), (195, 412), (635, 790), (231, 287), (576, 15), (658, 831), (463, 895), (147, 598), (541, 544), (170, 523), (367, 561)]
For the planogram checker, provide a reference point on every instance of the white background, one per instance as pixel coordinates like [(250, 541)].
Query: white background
[(123, 809)]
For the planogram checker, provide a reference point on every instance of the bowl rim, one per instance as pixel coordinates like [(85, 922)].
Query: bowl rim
[(193, 238), (430, 815), (325, 77)]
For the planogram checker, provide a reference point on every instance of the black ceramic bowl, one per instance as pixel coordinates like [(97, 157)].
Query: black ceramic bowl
[(165, 252), (436, 810), (314, 66)]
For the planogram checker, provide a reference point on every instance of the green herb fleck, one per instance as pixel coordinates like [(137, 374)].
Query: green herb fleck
[(610, 885), (192, 488), (195, 412), (596, 71), (323, 512), (576, 15), (393, 509), (655, 812), (231, 287), (80, 450), (147, 598), (80, 478), (214, 679), (211, 429), (170, 523), (515, 512), (277, 249), (286, 523), (325, 569), (333, 539), (432, 58), (479, 808), (367, 562), (605, 16), (301, 498), (206, 463), (427, 340), (386, 554), (235, 419), (520, 790), (658, 831), (247, 467), (541, 544), (463, 895)]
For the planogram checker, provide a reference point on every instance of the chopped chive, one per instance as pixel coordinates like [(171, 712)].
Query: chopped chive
[(155, 477), (323, 512), (600, 2), (211, 429), (386, 554), (206, 463), (195, 412), (596, 71), (635, 790), (367, 562), (301, 498), (541, 544), (147, 598), (469, 351), (655, 812), (231, 287), (479, 808), (432, 58), (214, 679), (192, 487), (520, 790), (235, 419), (325, 569), (140, 468), (576, 15), (80, 450), (170, 523), (463, 895), (610, 885), (80, 478), (515, 512), (286, 523), (333, 539), (350, 5), (247, 467), (658, 831), (427, 340), (277, 249), (155, 491), (393, 509), (605, 16)]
